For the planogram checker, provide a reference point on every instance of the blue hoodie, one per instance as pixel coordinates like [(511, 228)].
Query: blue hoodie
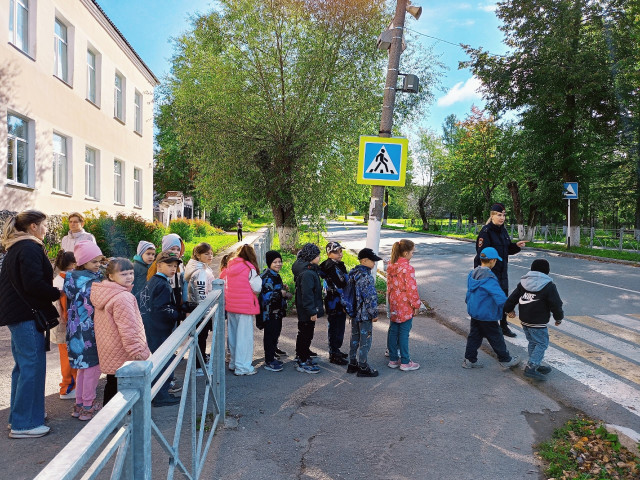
[(485, 297)]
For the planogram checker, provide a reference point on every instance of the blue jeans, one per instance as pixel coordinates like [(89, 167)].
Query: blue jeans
[(28, 376), (538, 339), (493, 333), (398, 338)]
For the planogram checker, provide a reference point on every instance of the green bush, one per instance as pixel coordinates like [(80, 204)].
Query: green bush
[(184, 228), (203, 229)]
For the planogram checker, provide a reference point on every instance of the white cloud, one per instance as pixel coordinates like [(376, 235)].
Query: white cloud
[(461, 92), (487, 7)]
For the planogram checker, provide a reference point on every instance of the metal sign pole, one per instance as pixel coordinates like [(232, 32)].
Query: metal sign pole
[(568, 223)]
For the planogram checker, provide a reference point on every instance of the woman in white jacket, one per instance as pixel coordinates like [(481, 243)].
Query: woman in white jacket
[(77, 233), (198, 280)]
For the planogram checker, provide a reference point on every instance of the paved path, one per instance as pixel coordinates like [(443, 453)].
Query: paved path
[(597, 347)]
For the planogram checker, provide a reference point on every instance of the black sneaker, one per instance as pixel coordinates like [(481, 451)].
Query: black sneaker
[(533, 373), (367, 371), (507, 332), (312, 353), (337, 359), (282, 353), (543, 369), (343, 355), (170, 400), (352, 368)]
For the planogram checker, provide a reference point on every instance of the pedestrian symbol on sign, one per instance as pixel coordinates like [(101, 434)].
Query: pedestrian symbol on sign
[(382, 163)]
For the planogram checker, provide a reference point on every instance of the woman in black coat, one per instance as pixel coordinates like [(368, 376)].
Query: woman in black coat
[(26, 285), (495, 235)]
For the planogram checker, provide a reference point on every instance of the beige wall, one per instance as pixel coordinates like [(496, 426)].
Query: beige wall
[(29, 88)]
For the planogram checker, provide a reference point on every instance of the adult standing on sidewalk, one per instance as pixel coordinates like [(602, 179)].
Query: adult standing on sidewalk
[(494, 234), (26, 286), (77, 233)]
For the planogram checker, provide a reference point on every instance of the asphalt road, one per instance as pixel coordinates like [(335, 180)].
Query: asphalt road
[(596, 350)]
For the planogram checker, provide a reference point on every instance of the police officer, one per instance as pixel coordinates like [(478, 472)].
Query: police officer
[(495, 235)]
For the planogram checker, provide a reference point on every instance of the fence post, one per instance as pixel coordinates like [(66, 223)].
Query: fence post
[(546, 232), (591, 235), (512, 229), (621, 237), (137, 376), (220, 351)]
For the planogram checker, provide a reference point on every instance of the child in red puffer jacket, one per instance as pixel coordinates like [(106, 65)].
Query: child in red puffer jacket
[(404, 303)]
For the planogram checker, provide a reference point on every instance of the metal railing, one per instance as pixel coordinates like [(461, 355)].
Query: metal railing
[(120, 434)]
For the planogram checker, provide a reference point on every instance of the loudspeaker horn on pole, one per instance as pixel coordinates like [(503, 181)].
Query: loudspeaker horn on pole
[(414, 10)]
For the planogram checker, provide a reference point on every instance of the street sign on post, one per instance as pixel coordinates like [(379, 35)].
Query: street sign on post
[(383, 161), (569, 192)]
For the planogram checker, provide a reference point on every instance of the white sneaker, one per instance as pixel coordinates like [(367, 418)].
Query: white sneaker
[(252, 372), (514, 362), (470, 364), (40, 431), (68, 396)]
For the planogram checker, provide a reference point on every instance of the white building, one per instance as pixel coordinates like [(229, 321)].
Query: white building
[(173, 205), (76, 111)]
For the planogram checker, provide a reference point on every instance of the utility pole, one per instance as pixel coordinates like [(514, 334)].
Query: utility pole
[(386, 122)]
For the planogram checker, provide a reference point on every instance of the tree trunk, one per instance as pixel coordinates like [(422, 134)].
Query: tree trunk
[(514, 190), (286, 226), (422, 210)]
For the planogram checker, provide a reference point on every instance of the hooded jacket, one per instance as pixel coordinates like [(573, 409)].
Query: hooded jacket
[(537, 297), (238, 295), (158, 308), (119, 330), (81, 336), (403, 290), (492, 235), (485, 297), (70, 239), (308, 290), (140, 270), (27, 267), (199, 279), (366, 295), (273, 305), (335, 276)]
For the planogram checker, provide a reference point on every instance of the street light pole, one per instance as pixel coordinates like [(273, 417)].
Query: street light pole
[(386, 122)]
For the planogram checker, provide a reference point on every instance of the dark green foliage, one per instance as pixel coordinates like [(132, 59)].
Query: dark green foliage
[(184, 228)]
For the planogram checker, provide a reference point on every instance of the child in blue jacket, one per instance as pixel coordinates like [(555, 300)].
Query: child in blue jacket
[(485, 301)]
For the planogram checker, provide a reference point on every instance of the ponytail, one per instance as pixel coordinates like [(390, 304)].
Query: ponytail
[(63, 260), (400, 248), (20, 223)]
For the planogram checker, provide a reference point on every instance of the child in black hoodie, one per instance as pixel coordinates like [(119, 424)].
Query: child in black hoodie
[(537, 297)]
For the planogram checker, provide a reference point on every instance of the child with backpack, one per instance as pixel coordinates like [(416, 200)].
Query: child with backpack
[(404, 303), (485, 300), (364, 314), (306, 274), (335, 277), (273, 307), (119, 329), (81, 335), (537, 298)]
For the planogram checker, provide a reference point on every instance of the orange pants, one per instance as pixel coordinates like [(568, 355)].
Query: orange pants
[(68, 374)]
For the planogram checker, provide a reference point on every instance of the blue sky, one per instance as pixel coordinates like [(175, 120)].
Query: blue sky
[(149, 25)]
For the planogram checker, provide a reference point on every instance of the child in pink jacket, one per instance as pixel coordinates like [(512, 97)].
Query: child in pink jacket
[(119, 330), (404, 303)]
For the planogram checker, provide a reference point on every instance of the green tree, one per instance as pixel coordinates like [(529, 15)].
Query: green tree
[(266, 96)]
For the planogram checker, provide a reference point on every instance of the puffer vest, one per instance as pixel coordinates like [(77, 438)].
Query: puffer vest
[(238, 296)]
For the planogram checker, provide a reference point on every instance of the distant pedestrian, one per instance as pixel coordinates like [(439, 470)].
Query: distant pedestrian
[(336, 278), (198, 280), (160, 312), (404, 303), (366, 299), (537, 298), (239, 225), (76, 233), (26, 287), (65, 261), (306, 274), (494, 234), (145, 255), (273, 307), (242, 285), (119, 330), (485, 301), (81, 335)]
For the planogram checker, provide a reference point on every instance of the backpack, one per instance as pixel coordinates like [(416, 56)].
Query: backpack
[(348, 296)]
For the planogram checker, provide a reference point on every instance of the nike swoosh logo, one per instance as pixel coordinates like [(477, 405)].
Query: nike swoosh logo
[(524, 302)]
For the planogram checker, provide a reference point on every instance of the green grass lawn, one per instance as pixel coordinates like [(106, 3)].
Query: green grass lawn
[(217, 242)]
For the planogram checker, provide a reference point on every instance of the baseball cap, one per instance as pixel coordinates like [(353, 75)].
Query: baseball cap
[(333, 247), (368, 253), (168, 257), (489, 253)]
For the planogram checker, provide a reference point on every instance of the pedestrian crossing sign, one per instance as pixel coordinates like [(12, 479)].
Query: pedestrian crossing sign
[(383, 161), (570, 191)]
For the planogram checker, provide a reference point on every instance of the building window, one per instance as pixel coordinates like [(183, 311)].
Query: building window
[(137, 187), (91, 77), (138, 113), (61, 69), (60, 163), (17, 149), (118, 182), (118, 97), (90, 173), (19, 24)]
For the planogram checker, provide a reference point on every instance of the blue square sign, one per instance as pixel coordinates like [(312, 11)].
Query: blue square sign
[(570, 191)]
